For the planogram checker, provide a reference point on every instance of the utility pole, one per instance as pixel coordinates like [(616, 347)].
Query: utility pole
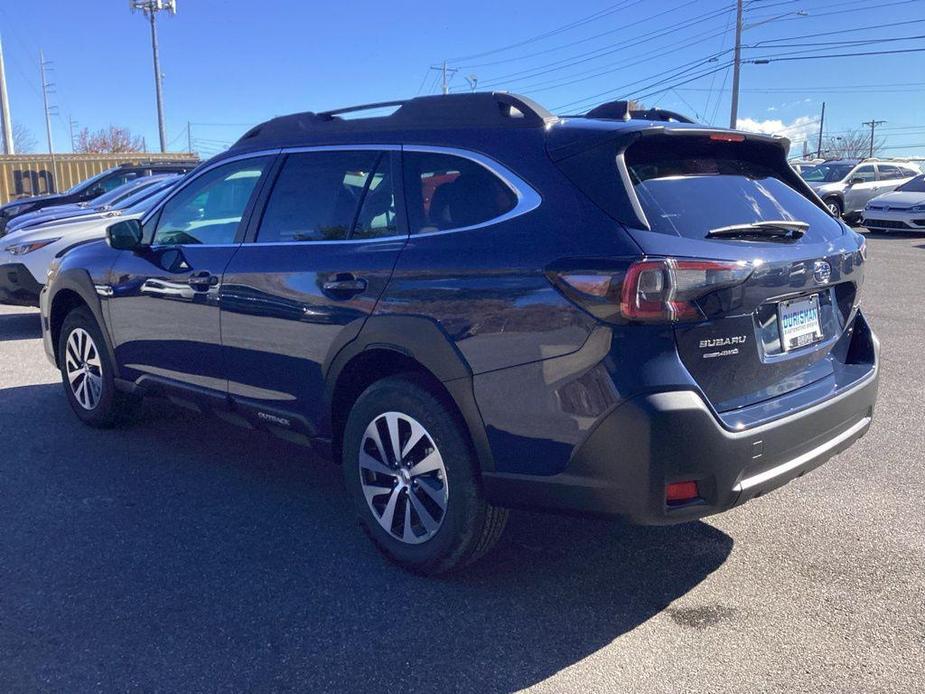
[(46, 86), (150, 8), (189, 137), (9, 146), (873, 126), (70, 124), (447, 73), (821, 125), (736, 67)]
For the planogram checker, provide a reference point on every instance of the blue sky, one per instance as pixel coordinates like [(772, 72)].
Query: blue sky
[(230, 63)]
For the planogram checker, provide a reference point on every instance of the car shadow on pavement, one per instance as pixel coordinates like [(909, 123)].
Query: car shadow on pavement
[(181, 553), (20, 326)]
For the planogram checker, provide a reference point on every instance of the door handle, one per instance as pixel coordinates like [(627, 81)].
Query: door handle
[(345, 285), (202, 281)]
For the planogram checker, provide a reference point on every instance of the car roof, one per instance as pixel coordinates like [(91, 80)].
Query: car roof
[(491, 119)]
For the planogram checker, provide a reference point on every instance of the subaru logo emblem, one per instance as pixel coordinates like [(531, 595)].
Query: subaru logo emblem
[(822, 271)]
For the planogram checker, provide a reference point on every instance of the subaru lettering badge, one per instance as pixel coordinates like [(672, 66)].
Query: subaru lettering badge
[(822, 271)]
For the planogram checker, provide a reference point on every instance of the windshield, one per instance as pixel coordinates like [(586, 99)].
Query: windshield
[(120, 193), (916, 185), (146, 192), (149, 201), (826, 173), (86, 183)]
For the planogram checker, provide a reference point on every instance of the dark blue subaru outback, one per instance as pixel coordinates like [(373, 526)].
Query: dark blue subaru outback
[(472, 304)]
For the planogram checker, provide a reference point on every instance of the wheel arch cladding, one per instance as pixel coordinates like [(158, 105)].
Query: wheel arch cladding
[(389, 345), (73, 289)]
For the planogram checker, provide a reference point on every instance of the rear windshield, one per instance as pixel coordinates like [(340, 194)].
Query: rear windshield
[(690, 189), (916, 185)]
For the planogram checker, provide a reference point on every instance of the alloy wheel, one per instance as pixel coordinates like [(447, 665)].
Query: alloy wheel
[(403, 477), (84, 369)]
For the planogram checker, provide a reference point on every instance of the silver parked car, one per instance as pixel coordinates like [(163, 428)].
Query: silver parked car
[(901, 210), (847, 185)]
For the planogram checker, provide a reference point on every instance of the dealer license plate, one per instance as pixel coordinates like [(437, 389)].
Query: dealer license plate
[(799, 322)]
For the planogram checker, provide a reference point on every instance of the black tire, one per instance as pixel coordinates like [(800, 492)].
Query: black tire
[(835, 207), (109, 407), (470, 526)]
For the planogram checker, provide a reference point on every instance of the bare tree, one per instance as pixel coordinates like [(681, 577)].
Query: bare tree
[(113, 140), (854, 144), (23, 139)]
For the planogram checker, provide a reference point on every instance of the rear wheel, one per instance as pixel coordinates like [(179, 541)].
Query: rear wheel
[(88, 374), (835, 207), (414, 479)]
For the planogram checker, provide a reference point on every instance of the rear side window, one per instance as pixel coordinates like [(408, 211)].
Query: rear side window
[(449, 192), (690, 188), (890, 173), (330, 196)]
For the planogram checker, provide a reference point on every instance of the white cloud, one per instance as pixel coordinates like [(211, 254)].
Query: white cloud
[(796, 131)]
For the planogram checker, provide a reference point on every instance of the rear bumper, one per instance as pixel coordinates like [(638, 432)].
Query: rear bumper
[(17, 286), (648, 442)]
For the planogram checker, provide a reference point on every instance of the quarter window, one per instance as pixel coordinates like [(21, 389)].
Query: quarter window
[(449, 192), (330, 196), (209, 210)]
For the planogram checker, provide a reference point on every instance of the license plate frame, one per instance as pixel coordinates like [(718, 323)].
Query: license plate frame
[(804, 327)]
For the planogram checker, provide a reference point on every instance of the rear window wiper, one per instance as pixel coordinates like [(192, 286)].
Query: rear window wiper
[(776, 227)]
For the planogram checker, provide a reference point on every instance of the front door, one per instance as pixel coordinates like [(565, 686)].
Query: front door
[(164, 300), (859, 194), (309, 275)]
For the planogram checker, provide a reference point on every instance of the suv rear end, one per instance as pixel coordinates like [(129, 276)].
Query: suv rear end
[(734, 356)]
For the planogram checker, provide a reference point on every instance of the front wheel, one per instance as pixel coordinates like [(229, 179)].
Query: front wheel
[(414, 479), (88, 374)]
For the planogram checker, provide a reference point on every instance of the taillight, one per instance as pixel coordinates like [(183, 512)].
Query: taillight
[(655, 290)]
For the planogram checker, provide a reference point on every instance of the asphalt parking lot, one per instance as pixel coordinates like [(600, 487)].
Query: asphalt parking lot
[(182, 554)]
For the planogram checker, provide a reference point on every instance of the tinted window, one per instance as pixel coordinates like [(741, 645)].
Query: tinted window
[(889, 173), (112, 183), (909, 171), (689, 191), (826, 173), (448, 192), (865, 173), (316, 197), (209, 210), (916, 185)]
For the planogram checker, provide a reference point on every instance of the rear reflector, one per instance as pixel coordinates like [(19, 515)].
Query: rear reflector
[(679, 492)]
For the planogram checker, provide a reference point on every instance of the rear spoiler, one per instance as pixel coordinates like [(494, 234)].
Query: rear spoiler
[(597, 160)]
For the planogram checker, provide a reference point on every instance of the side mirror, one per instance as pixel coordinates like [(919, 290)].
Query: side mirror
[(125, 235), (855, 181)]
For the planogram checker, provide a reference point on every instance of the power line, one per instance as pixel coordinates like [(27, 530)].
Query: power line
[(609, 50), (539, 37)]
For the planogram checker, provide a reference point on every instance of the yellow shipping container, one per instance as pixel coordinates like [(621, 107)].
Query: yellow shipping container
[(22, 175)]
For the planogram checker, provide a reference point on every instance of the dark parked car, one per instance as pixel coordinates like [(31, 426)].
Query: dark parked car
[(472, 304), (89, 189)]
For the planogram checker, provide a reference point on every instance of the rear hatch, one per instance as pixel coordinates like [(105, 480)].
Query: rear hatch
[(686, 193)]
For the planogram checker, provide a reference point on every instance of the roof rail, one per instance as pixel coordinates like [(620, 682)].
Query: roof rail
[(621, 110), (475, 109)]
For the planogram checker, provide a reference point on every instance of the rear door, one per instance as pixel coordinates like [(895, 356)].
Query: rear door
[(891, 177), (773, 333), (316, 259)]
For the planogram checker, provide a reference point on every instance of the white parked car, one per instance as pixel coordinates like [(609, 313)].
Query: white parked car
[(901, 210), (27, 254)]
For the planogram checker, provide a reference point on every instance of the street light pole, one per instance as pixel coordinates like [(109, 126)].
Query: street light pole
[(150, 8)]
